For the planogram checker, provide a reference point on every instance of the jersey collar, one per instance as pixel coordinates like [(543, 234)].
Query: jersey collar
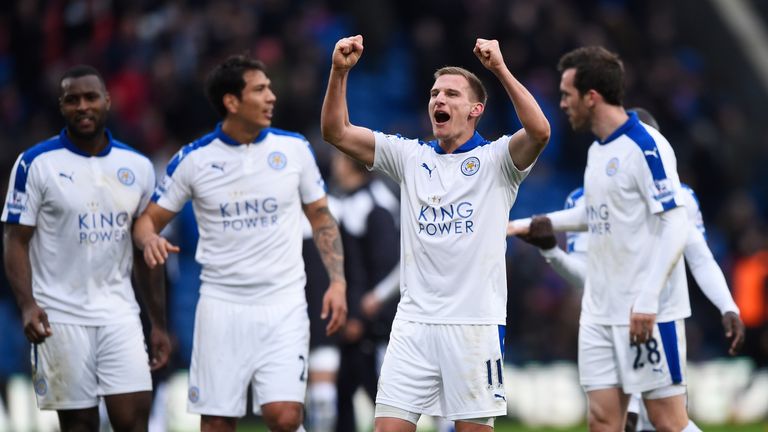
[(220, 134), (471, 144), (69, 145), (629, 124)]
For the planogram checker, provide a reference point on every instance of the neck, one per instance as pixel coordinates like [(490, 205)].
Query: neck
[(451, 144), (93, 145), (240, 132), (606, 119)]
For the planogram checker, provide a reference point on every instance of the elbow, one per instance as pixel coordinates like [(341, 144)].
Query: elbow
[(331, 133), (542, 134)]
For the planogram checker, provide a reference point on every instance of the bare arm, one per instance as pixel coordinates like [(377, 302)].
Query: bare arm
[(19, 271), (150, 285), (357, 142), (328, 241), (146, 235), (526, 144)]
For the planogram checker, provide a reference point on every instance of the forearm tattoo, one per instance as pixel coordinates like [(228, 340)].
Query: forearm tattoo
[(328, 242)]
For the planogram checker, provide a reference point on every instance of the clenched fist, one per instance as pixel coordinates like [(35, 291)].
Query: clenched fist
[(489, 53), (347, 52)]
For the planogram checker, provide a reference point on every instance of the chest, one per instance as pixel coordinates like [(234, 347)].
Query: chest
[(444, 180), (247, 177), (103, 189), (611, 173)]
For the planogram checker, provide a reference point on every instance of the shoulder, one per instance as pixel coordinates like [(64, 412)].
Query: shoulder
[(287, 135), (125, 151), (42, 148), (189, 150), (574, 198), (691, 200)]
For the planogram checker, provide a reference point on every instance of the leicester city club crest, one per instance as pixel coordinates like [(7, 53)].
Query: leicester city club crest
[(194, 394), (277, 160), (470, 166), (612, 167), (126, 176), (41, 387)]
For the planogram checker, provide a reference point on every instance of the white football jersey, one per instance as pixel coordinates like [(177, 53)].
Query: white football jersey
[(454, 212), (576, 241), (629, 179), (82, 208), (247, 200)]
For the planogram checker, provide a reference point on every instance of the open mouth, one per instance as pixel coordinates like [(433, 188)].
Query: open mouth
[(441, 117)]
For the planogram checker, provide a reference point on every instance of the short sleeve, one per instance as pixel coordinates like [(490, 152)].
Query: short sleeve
[(148, 187), (500, 149), (311, 183), (655, 170), (174, 190), (23, 200), (390, 154)]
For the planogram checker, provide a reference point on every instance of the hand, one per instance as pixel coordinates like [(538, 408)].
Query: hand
[(156, 251), (489, 53), (518, 227), (160, 348), (347, 52), (641, 327), (353, 331), (35, 321), (734, 331), (540, 233), (335, 303), (370, 304)]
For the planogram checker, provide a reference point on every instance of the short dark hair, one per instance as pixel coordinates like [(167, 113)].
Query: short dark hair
[(475, 84), (227, 78), (80, 71), (596, 69)]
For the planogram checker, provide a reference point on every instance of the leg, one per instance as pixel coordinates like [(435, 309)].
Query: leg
[(79, 420), (668, 414), (283, 416), (129, 412), (607, 409), (469, 426), (391, 424), (210, 423)]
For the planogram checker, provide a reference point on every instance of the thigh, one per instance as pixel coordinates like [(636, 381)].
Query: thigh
[(472, 371), (64, 369), (410, 374), (121, 359), (282, 358), (598, 366), (655, 365), (607, 408), (221, 359)]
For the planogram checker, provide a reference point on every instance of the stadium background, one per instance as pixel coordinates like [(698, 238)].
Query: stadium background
[(699, 66)]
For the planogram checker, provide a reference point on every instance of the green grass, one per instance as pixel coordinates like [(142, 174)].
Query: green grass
[(511, 426)]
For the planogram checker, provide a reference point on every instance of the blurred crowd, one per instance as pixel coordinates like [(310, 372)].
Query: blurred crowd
[(154, 57)]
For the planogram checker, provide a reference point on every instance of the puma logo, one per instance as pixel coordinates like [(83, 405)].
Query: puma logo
[(654, 153), (426, 167), (69, 177)]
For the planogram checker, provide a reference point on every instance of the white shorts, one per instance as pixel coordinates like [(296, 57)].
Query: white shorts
[(237, 344), (656, 368), (449, 370), (77, 364)]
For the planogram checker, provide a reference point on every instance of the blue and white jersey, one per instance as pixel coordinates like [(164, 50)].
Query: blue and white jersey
[(576, 241), (453, 219), (247, 200), (629, 179), (82, 208)]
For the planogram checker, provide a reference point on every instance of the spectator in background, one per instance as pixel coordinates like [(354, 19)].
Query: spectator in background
[(371, 239)]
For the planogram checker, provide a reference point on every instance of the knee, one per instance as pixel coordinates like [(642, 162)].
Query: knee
[(600, 421), (217, 424), (284, 421), (668, 423)]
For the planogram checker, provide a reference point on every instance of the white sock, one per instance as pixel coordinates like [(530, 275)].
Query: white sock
[(321, 411), (691, 427)]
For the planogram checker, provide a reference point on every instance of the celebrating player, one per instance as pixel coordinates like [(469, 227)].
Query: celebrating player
[(445, 352)]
